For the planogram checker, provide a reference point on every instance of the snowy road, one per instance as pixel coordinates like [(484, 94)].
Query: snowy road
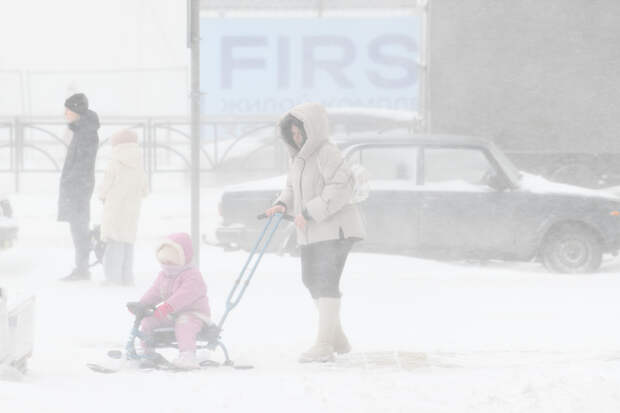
[(427, 337)]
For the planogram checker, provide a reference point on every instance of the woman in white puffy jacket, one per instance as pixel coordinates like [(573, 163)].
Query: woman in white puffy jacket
[(124, 185), (318, 194)]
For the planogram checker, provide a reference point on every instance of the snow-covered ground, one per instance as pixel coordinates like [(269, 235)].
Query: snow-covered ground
[(427, 336)]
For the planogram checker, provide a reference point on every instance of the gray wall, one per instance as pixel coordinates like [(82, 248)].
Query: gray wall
[(530, 74)]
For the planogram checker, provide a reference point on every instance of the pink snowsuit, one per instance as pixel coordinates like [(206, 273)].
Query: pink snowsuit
[(185, 292)]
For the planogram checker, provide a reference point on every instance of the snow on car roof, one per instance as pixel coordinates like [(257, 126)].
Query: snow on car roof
[(396, 138), (386, 114)]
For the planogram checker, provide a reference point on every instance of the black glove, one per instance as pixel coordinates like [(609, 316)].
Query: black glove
[(136, 308)]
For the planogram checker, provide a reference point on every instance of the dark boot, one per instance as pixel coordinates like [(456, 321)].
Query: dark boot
[(77, 275)]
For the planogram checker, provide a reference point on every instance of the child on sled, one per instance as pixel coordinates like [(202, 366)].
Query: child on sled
[(179, 295)]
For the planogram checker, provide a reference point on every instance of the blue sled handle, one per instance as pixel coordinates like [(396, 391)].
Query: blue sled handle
[(248, 270), (284, 217)]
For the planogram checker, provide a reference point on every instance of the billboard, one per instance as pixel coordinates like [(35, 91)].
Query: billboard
[(267, 65)]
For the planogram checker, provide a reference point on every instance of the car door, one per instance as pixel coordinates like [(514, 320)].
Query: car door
[(460, 213), (392, 208)]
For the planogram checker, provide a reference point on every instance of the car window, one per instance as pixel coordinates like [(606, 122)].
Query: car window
[(456, 165), (388, 163)]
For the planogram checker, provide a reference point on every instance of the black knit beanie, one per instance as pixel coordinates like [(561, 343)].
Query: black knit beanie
[(77, 103)]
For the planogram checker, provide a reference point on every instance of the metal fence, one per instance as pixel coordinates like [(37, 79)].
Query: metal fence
[(233, 147)]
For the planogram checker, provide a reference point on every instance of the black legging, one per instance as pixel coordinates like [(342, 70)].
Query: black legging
[(321, 266)]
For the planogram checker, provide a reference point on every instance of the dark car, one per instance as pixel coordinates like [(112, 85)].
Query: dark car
[(8, 225), (452, 198)]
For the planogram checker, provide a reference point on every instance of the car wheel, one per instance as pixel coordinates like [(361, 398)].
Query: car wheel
[(572, 249)]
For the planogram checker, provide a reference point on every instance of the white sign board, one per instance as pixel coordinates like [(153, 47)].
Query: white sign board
[(266, 66)]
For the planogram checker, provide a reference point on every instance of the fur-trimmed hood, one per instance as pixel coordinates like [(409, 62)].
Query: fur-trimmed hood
[(316, 124), (182, 243)]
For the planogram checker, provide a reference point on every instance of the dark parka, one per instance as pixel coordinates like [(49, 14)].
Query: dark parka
[(78, 173)]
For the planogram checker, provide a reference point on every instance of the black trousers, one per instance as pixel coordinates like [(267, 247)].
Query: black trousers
[(80, 232), (321, 266)]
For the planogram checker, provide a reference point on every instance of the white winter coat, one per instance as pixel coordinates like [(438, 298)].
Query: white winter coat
[(124, 185), (320, 183)]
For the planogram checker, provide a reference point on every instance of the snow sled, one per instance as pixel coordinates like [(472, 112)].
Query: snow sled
[(16, 330), (160, 338), (210, 335)]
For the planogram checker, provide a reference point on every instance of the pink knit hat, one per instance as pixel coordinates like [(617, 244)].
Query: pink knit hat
[(124, 136)]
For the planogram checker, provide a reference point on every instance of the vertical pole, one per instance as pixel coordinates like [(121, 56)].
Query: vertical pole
[(194, 43), (19, 142), (427, 20), (148, 151), (12, 150), (216, 153)]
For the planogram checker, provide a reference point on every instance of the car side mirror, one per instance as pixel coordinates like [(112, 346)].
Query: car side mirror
[(497, 182)]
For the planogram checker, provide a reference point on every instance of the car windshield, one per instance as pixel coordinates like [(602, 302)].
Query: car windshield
[(509, 168)]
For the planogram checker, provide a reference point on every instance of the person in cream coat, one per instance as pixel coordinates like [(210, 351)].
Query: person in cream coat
[(124, 185)]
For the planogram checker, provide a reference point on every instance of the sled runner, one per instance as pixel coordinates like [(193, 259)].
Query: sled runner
[(210, 335)]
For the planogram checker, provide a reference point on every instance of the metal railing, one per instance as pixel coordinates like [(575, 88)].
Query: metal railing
[(232, 148), (228, 145)]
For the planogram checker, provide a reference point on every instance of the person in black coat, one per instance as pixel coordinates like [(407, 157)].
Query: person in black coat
[(78, 180)]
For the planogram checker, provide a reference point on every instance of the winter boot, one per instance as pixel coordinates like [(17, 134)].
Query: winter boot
[(341, 343), (77, 275), (323, 349), (186, 361)]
